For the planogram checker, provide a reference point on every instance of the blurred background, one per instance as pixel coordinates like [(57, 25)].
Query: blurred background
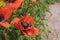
[(46, 14)]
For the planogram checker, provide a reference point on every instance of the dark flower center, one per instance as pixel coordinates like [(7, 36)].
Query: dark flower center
[(25, 25), (11, 1), (1, 18)]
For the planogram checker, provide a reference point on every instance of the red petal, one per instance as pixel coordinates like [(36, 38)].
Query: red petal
[(14, 5), (15, 20), (31, 32), (5, 24), (29, 18), (34, 0), (25, 33), (5, 12)]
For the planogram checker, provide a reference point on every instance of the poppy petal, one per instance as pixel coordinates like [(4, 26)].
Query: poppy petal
[(15, 20), (34, 30), (5, 24), (25, 33), (34, 0), (29, 18), (13, 6), (31, 32)]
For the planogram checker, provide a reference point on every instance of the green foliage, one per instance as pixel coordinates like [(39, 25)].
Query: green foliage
[(2, 3), (37, 10)]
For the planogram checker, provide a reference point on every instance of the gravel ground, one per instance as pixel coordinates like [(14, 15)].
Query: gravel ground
[(54, 21)]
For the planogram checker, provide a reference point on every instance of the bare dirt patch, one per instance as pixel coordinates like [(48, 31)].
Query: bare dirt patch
[(54, 21)]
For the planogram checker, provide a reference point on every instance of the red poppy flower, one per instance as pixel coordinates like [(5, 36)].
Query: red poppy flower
[(5, 12), (4, 15), (25, 25)]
